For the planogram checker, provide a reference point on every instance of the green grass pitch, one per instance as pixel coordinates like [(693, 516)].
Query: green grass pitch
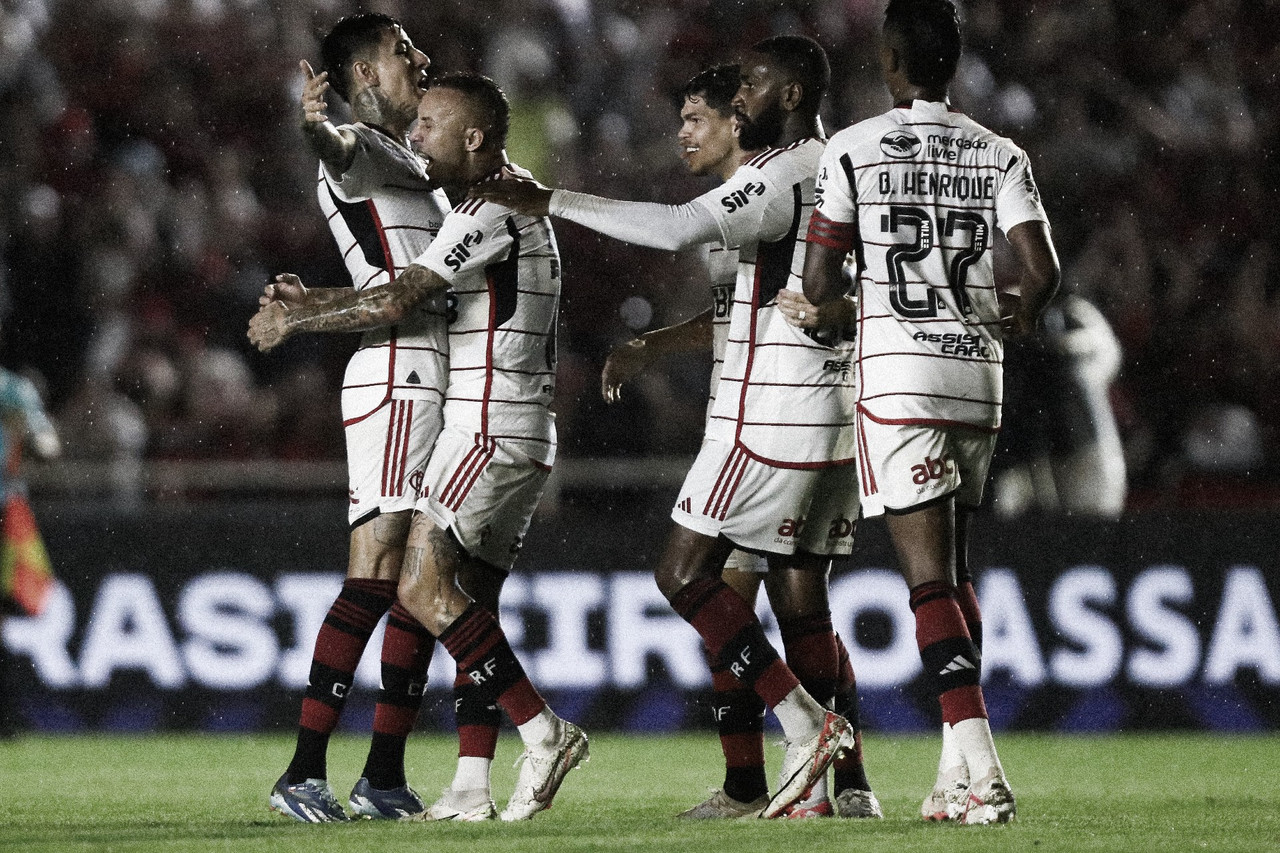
[(208, 793)]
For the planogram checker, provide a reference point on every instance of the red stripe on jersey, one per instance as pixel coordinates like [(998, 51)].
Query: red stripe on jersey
[(868, 476), (838, 236), (768, 154)]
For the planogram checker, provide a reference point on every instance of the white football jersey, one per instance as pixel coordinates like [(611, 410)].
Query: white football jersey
[(504, 273), (914, 194), (722, 269), (384, 213), (782, 396)]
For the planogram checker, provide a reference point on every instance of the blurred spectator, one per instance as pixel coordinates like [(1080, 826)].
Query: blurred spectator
[(1060, 448), (150, 182)]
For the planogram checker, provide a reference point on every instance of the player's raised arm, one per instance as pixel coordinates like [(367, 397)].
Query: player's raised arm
[(354, 311), (335, 148), (1040, 278)]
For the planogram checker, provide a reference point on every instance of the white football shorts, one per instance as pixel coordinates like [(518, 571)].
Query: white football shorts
[(744, 561), (387, 452), (485, 490), (760, 507), (902, 466)]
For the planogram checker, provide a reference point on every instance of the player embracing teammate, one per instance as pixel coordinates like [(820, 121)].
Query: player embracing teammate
[(907, 200), (775, 474)]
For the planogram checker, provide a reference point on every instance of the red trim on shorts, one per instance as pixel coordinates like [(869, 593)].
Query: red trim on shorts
[(869, 486), (465, 475), (395, 458)]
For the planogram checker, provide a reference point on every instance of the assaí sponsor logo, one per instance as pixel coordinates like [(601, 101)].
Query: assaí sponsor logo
[(838, 365), (900, 144), (742, 197), (955, 343), (949, 147)]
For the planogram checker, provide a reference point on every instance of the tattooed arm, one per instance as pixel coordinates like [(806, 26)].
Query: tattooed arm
[(352, 311)]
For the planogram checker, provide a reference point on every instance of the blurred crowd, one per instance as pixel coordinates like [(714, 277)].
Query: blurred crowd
[(152, 178)]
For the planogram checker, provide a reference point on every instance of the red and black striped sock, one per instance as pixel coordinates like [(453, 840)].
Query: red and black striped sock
[(477, 644), (339, 645), (406, 654), (478, 720), (734, 638), (949, 655), (739, 717)]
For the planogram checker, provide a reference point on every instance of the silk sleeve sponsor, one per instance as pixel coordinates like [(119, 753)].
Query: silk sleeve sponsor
[(1019, 199), (747, 208), (470, 239)]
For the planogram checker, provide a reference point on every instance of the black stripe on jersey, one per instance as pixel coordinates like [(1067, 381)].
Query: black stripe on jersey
[(773, 260), (846, 165), (504, 280), (360, 222)]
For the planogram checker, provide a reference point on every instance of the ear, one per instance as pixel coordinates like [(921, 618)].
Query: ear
[(364, 73), (474, 139), (890, 59), (792, 94)]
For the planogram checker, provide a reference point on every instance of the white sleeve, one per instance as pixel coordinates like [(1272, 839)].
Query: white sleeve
[(658, 226), (749, 208), (1018, 199), (467, 242), (360, 179)]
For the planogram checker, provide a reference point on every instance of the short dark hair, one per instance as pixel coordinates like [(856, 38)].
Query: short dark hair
[(929, 35), (716, 85), (805, 61), (488, 95), (352, 35)]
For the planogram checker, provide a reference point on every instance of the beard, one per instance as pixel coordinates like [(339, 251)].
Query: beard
[(764, 130)]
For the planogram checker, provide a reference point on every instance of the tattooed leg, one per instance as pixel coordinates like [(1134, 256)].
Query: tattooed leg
[(429, 582)]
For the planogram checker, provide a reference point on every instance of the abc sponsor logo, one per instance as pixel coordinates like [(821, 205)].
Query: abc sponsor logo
[(928, 474)]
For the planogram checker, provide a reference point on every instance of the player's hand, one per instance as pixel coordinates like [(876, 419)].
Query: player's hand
[(286, 288), (1013, 319), (268, 328), (624, 362), (520, 194), (313, 89), (802, 313)]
